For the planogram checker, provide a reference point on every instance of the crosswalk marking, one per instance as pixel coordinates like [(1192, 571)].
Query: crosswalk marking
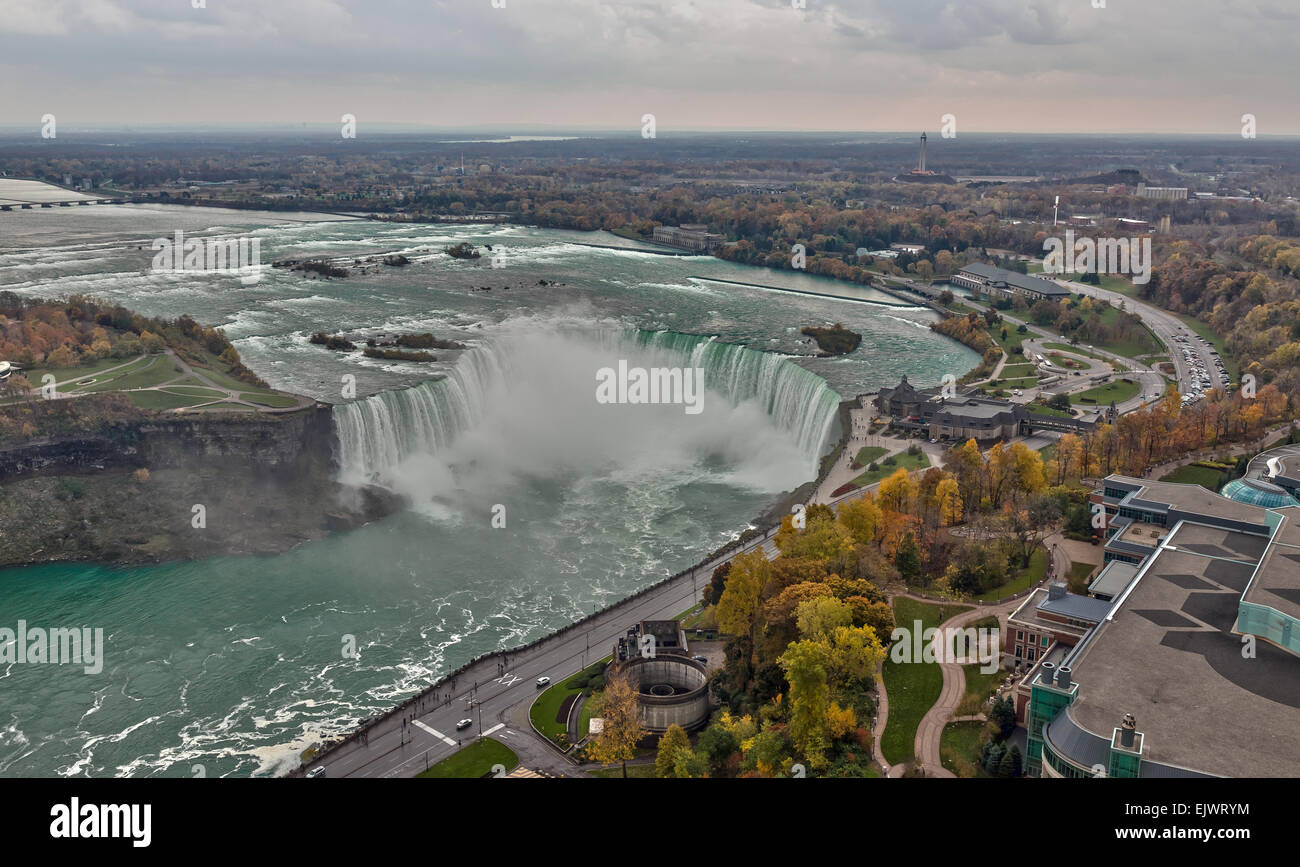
[(437, 734), (494, 728)]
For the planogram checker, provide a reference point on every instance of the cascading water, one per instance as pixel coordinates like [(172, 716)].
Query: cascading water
[(380, 433)]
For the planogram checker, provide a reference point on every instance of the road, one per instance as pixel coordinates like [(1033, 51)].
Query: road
[(1166, 326), (394, 748)]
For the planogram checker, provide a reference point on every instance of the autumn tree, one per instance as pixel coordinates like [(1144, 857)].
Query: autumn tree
[(622, 722), (670, 742)]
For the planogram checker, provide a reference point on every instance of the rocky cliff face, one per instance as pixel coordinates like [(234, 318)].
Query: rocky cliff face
[(178, 488), (282, 443)]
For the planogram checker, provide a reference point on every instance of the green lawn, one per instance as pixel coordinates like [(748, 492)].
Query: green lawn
[(1080, 577), (1118, 391), (1014, 340), (1044, 409), (547, 705), (1027, 578), (1077, 350), (81, 371), (475, 760), (195, 391), (962, 740), (1017, 370), (1206, 477), (902, 459), (163, 400), (867, 454), (979, 686), (912, 687), (155, 371), (1022, 382), (263, 399)]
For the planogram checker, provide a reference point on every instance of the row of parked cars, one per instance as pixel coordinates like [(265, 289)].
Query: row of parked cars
[(1201, 377)]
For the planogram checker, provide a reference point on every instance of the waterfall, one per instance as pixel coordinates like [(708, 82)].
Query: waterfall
[(378, 433)]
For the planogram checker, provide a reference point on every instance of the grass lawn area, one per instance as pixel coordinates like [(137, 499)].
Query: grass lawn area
[(81, 371), (1118, 391), (1014, 340), (979, 686), (195, 391), (1207, 478), (903, 460), (962, 740), (1022, 382), (475, 760), (164, 400), (912, 687), (155, 371), (261, 398), (867, 454), (547, 705), (1017, 370), (1077, 350), (1080, 577), (1027, 578), (1044, 409), (593, 706)]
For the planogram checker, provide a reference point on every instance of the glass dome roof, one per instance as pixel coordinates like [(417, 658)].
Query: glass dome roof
[(1258, 493)]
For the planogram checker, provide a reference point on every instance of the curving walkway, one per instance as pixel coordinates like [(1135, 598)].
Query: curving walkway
[(930, 730)]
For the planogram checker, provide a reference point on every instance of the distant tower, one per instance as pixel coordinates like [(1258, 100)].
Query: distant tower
[(921, 168)]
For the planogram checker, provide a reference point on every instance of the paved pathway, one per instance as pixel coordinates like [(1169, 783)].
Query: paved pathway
[(227, 395), (930, 730)]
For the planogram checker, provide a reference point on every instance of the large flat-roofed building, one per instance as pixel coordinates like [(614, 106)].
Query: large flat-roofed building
[(951, 416), (1139, 513), (1169, 194), (691, 236), (1000, 282), (1194, 670)]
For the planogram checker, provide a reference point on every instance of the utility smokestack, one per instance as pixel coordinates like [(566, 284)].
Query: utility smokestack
[(1048, 672), (1127, 729), (1063, 677)]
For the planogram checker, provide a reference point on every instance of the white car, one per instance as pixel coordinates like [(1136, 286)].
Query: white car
[(543, 681), (464, 724)]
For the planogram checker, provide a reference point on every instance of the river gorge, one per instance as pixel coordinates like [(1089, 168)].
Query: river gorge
[(233, 661)]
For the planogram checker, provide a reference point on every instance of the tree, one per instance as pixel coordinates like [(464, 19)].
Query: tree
[(622, 732), (690, 764), (805, 664), (713, 590), (860, 517), (818, 617), (1009, 764), (669, 743), (738, 606), (948, 495), (907, 560), (1002, 716), (717, 744)]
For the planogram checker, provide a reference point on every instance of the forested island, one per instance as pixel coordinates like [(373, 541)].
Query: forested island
[(836, 340)]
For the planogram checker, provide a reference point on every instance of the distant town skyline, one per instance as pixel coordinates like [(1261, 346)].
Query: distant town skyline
[(1051, 66)]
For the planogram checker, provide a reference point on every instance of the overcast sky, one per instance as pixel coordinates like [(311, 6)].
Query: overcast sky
[(997, 65)]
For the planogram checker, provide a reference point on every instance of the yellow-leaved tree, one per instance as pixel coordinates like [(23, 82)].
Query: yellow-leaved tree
[(622, 720)]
